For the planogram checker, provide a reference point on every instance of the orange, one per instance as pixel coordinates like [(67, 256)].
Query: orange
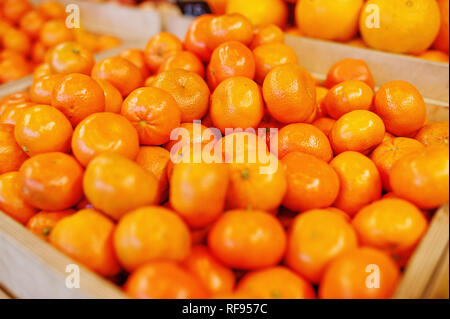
[(360, 181), (197, 37), (150, 234), (401, 107), (87, 237), (229, 27), (14, 98), (275, 283), (230, 59), (325, 124), (52, 9), (45, 175), (270, 55), (389, 152), (434, 134), (304, 138), (41, 70), (289, 93), (11, 202), (209, 271), (137, 57), (113, 98), (316, 237), (153, 112), (422, 177), (434, 55), (237, 103), (260, 12), (358, 131), (441, 41), (362, 273), (155, 159), (108, 42), (184, 60), (311, 182), (11, 154), (265, 34), (399, 25), (217, 6), (247, 239), (71, 57), (116, 185), (392, 225), (121, 73), (349, 69), (78, 96), (198, 134), (13, 68), (54, 32), (328, 19), (164, 280), (17, 41), (188, 89), (43, 129), (43, 223), (38, 51), (13, 10), (348, 96), (31, 23), (12, 112), (104, 133), (88, 40), (198, 192), (159, 47), (42, 88)]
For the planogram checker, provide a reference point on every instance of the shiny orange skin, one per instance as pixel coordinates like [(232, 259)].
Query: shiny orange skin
[(78, 96), (275, 283), (321, 111), (316, 237), (13, 10), (349, 69), (42, 88), (392, 225), (434, 134), (325, 124), (266, 34), (230, 27), (43, 129), (155, 159), (54, 32), (358, 131), (198, 192), (237, 103), (347, 276), (197, 36), (52, 9), (389, 152), (198, 133), (435, 56), (188, 89), (137, 57), (87, 237), (441, 41), (270, 55), (209, 271), (153, 112), (228, 60), (148, 234), (159, 47), (41, 71), (113, 98), (14, 98), (184, 60), (422, 177), (401, 106), (217, 6), (120, 72), (104, 132), (17, 41), (116, 185), (11, 202), (11, 154), (247, 239), (242, 147), (311, 182), (164, 280), (12, 112), (43, 223), (71, 57), (348, 96), (44, 175), (360, 181), (289, 93), (32, 22), (306, 138)]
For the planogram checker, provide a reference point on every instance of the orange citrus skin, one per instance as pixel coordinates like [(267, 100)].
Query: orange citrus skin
[(434, 134), (159, 47), (11, 154), (43, 223), (349, 69)]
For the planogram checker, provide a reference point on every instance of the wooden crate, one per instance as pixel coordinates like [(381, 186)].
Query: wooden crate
[(30, 268)]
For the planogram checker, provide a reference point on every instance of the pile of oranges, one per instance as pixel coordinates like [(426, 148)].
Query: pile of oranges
[(89, 162), (28, 35)]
